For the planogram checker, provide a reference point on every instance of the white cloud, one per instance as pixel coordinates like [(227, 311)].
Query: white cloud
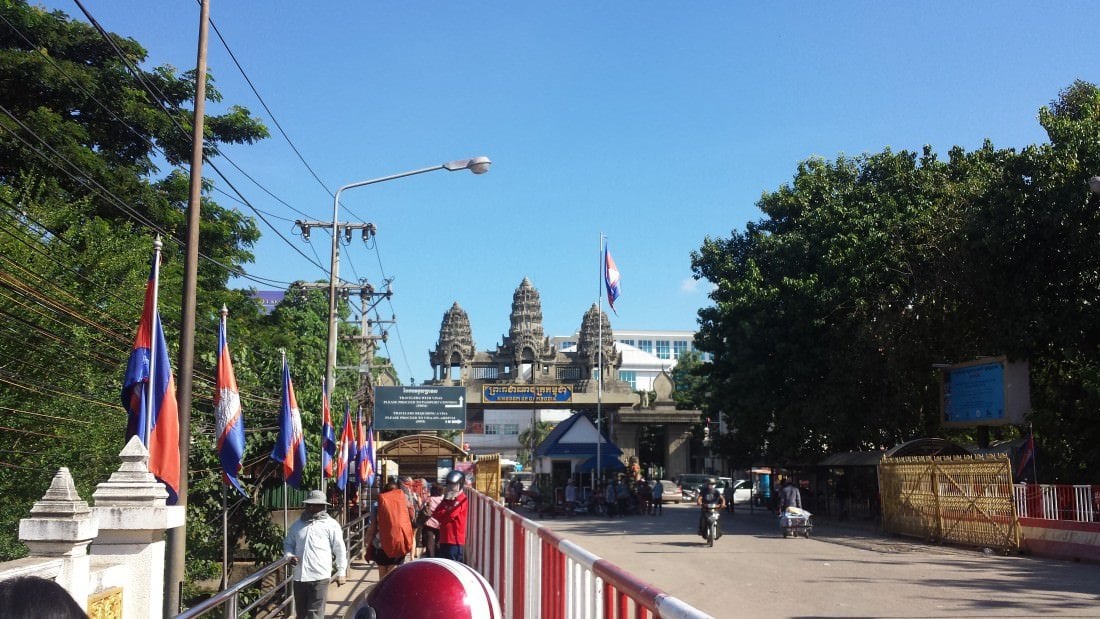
[(689, 285)]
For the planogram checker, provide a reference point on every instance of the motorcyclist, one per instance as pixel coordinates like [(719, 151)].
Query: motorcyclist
[(709, 495)]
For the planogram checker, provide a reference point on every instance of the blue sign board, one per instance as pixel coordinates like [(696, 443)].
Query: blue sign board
[(990, 391), (527, 393), (974, 393)]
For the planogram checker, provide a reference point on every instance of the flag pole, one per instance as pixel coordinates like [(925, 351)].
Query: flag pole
[(599, 369), (157, 246), (1034, 453), (225, 540)]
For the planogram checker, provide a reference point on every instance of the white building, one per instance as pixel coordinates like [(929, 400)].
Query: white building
[(645, 353)]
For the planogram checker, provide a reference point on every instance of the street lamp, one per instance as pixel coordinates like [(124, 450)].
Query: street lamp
[(477, 165)]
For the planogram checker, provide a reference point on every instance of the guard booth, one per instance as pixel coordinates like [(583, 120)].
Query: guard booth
[(422, 456)]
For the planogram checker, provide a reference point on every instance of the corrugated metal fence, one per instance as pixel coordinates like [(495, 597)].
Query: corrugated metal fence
[(960, 499)]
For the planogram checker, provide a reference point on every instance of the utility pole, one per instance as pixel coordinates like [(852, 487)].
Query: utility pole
[(346, 229), (177, 537)]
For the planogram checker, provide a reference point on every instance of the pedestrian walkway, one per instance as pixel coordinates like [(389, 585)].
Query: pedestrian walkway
[(344, 601)]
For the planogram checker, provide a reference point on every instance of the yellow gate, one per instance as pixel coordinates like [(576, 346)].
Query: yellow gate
[(487, 475), (960, 499)]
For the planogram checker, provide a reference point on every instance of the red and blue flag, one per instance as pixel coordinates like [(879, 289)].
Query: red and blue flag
[(228, 415), (328, 435), (290, 449), (1027, 456), (367, 463), (149, 393), (610, 277), (347, 440)]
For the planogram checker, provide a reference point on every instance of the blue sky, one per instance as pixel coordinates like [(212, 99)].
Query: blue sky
[(657, 124)]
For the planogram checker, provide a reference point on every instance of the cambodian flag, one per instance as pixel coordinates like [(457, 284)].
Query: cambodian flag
[(369, 456), (153, 414), (610, 277), (290, 449), (347, 438), (366, 465), (328, 435), (227, 413), (1027, 456)]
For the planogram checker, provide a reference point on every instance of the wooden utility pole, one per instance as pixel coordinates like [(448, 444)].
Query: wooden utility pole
[(177, 538)]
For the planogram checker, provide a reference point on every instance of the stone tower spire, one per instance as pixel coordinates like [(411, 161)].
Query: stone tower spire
[(455, 346)]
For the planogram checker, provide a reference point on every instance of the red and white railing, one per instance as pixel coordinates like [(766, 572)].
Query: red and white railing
[(1058, 502), (538, 574)]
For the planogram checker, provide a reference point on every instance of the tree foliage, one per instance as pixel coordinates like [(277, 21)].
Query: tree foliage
[(830, 312)]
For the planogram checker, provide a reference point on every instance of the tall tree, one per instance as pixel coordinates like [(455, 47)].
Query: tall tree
[(830, 312)]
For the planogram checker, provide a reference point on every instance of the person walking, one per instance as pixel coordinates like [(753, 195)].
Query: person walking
[(451, 514), (570, 497), (658, 497), (391, 532), (431, 525), (789, 496), (315, 545)]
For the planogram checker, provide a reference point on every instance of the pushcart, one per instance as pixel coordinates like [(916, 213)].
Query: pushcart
[(795, 521)]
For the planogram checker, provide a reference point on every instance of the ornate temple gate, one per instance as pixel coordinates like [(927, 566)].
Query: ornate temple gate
[(960, 499)]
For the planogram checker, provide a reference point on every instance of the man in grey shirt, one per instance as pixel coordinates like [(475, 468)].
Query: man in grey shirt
[(314, 544)]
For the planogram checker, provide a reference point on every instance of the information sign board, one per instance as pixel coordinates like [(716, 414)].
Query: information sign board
[(985, 392), (420, 408)]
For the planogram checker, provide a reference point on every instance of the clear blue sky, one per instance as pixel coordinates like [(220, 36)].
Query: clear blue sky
[(657, 124)]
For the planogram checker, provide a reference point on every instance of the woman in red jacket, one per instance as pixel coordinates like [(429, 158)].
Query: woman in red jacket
[(451, 516)]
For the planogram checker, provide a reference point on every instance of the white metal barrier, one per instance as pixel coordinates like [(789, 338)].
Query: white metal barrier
[(1078, 503), (538, 574)]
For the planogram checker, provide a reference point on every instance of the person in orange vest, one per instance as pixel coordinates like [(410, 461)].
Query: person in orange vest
[(391, 532)]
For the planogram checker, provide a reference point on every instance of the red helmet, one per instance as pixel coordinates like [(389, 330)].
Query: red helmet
[(431, 588)]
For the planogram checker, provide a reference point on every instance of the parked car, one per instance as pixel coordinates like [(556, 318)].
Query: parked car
[(742, 491), (670, 492)]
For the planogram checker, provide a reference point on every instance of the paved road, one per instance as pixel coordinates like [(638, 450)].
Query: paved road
[(841, 572)]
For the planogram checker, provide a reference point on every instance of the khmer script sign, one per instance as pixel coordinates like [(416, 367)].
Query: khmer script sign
[(527, 393), (420, 408)]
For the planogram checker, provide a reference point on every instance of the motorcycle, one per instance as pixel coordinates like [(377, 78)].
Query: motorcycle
[(710, 519)]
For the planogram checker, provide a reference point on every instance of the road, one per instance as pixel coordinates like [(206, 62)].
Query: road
[(752, 571)]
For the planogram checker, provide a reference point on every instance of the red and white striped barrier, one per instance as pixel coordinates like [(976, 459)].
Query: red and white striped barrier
[(538, 574)]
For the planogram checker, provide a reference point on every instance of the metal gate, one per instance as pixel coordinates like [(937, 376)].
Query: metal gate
[(960, 499), (487, 475)]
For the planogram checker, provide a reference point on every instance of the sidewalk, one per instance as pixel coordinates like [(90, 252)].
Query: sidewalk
[(344, 601)]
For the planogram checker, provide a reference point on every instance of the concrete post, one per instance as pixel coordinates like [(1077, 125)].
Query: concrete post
[(679, 448), (133, 518), (61, 525)]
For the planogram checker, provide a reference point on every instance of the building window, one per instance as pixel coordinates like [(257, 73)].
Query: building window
[(679, 347), (565, 345), (489, 372), (630, 378), (662, 349), (502, 429), (646, 346), (569, 372), (627, 342)]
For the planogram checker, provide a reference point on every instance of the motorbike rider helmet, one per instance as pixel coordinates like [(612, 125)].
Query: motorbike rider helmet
[(456, 477), (456, 592)]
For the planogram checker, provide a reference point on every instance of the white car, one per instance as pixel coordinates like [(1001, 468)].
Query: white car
[(742, 489)]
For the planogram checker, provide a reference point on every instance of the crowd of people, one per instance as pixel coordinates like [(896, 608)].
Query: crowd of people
[(618, 496)]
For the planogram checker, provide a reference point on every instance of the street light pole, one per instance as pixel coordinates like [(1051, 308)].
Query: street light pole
[(477, 165)]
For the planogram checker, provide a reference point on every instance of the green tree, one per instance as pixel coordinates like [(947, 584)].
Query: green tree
[(829, 313), (83, 137)]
